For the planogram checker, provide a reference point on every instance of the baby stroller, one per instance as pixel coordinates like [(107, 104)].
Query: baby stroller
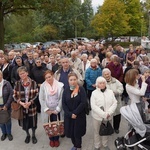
[(138, 136)]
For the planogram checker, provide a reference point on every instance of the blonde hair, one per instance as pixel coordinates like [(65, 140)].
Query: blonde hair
[(130, 77)]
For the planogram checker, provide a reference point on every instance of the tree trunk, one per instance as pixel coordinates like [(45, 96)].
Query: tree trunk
[(1, 27)]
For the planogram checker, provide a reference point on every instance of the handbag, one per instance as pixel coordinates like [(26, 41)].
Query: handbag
[(17, 111), (55, 128), (4, 116), (106, 128)]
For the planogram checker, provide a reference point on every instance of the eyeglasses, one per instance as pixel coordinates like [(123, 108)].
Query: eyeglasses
[(38, 62)]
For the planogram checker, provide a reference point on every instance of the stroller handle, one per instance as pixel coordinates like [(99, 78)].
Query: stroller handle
[(135, 144)]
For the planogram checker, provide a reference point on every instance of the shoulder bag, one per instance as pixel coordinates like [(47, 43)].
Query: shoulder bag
[(55, 128), (17, 111), (4, 116), (105, 127)]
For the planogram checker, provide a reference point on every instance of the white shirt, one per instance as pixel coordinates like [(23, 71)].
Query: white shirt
[(135, 92)]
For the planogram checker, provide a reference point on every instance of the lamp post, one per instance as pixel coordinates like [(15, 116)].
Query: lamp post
[(141, 25), (75, 19), (149, 24)]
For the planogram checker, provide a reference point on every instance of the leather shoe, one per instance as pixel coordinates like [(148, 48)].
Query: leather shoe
[(117, 131), (56, 143), (3, 137), (27, 140), (51, 143), (10, 137), (34, 140)]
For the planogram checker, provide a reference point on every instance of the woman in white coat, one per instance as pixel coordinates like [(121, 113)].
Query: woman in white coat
[(117, 87), (132, 87), (50, 97), (103, 104)]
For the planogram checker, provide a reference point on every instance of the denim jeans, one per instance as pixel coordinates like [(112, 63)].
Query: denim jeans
[(6, 128)]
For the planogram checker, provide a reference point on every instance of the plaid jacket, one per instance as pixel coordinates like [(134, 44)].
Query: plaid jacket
[(19, 93)]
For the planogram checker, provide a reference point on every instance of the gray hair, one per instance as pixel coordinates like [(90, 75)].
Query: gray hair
[(100, 79), (1, 51), (93, 60), (84, 55), (73, 52), (106, 70)]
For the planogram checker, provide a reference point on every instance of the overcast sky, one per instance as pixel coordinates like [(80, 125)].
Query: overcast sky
[(96, 3)]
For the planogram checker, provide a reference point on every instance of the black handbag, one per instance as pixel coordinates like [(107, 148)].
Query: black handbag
[(106, 128), (4, 116)]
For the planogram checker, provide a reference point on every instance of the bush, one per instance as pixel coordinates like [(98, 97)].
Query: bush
[(123, 44)]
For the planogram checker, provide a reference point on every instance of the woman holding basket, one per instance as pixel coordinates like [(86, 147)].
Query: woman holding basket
[(50, 97)]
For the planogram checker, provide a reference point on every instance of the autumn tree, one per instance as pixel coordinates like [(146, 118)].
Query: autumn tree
[(133, 9), (112, 19)]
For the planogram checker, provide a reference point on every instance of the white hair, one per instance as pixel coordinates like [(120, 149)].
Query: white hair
[(73, 52), (106, 70), (93, 60), (100, 79), (84, 55)]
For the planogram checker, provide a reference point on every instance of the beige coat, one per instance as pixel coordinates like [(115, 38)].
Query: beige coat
[(117, 87), (80, 79)]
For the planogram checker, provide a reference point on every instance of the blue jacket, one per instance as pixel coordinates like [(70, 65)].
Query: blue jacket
[(91, 76)]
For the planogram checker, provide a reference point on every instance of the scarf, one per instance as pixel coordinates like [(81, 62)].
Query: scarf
[(75, 91), (51, 89)]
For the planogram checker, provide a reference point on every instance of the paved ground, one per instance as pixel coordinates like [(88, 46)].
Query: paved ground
[(65, 143)]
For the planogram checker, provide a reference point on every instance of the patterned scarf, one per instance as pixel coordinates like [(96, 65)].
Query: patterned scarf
[(52, 89), (75, 91)]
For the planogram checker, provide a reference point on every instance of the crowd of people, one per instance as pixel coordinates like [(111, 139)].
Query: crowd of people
[(67, 81)]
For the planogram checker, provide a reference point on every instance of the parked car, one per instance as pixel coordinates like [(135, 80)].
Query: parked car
[(48, 44), (35, 44), (14, 46), (26, 45), (82, 39)]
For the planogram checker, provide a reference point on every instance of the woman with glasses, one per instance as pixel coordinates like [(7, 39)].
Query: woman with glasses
[(25, 93)]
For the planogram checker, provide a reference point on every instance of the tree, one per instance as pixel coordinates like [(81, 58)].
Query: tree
[(111, 19), (133, 9), (145, 6), (87, 9), (19, 7)]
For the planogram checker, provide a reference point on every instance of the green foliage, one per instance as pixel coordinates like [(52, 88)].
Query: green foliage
[(111, 19), (45, 33), (133, 9)]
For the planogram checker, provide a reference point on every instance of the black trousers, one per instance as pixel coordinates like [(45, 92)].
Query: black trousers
[(38, 105), (76, 142), (116, 121), (89, 93)]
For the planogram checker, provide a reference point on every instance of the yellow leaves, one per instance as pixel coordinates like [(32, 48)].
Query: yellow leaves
[(112, 18)]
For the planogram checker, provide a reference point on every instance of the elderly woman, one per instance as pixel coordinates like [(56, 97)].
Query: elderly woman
[(6, 98), (117, 88), (103, 104), (25, 93), (50, 97), (115, 67), (91, 75)]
